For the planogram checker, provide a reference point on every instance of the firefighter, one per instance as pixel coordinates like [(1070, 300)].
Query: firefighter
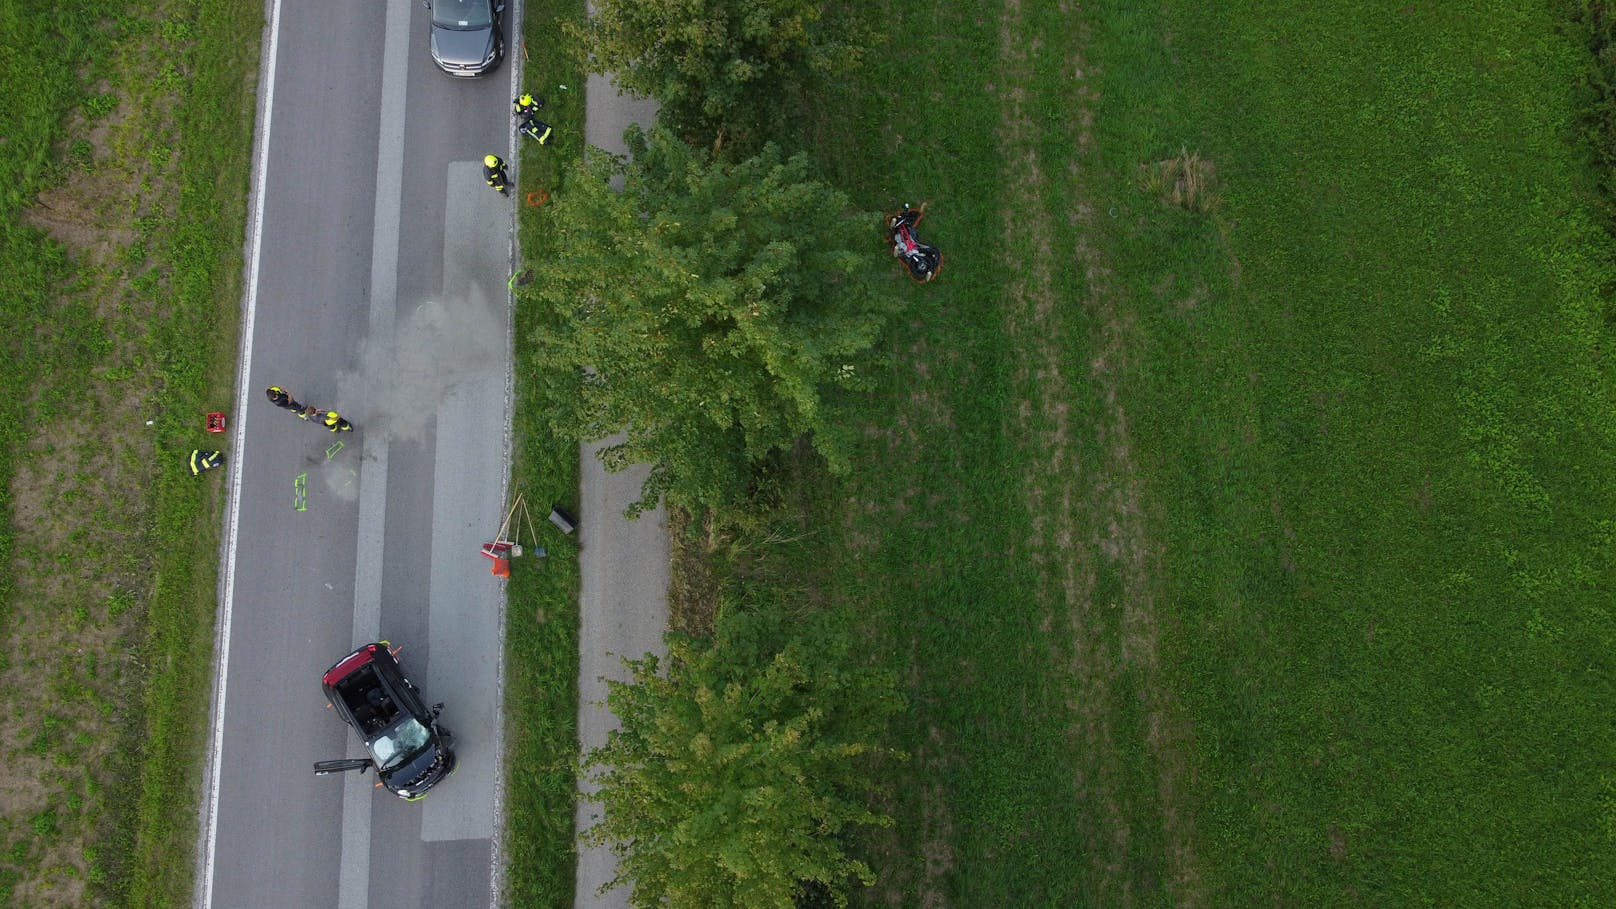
[(279, 397), (204, 461), (494, 173), (334, 422), (526, 106), (537, 130)]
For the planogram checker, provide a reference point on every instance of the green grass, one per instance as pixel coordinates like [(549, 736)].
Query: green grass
[(197, 344), (136, 123), (1399, 588), (541, 669), (39, 51), (1262, 555)]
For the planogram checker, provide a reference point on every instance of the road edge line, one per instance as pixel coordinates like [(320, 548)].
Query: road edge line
[(203, 897)]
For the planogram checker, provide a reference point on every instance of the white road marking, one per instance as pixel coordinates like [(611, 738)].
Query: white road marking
[(353, 876), (353, 886), (210, 816)]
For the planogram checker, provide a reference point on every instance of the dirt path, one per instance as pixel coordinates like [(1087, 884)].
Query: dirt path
[(624, 567)]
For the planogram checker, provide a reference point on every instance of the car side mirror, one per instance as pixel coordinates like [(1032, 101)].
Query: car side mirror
[(437, 709)]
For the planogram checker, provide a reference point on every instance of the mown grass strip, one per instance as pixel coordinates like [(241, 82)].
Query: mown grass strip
[(212, 139), (41, 49), (541, 670), (1397, 638)]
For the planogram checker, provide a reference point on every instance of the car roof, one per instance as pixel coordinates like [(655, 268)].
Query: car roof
[(377, 653)]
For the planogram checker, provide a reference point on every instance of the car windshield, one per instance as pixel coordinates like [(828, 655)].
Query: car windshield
[(393, 746), (466, 14)]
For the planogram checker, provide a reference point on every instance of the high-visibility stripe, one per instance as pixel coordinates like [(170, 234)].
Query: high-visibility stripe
[(201, 460)]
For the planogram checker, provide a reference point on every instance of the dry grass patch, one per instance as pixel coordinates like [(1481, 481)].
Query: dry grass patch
[(693, 590), (1186, 181)]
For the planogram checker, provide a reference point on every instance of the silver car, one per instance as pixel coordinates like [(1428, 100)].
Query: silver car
[(466, 37)]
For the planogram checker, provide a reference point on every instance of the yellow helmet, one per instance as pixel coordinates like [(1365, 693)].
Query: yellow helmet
[(526, 98), (491, 160)]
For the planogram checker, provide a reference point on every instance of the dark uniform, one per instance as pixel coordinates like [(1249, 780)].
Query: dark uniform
[(279, 397), (335, 423), (537, 130), (203, 461), (494, 173), (526, 106)]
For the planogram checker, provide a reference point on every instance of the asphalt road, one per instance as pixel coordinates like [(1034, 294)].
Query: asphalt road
[(377, 268)]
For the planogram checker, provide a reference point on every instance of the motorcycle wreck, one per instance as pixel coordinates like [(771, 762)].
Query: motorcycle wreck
[(922, 260)]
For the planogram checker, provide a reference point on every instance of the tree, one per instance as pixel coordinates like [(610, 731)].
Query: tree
[(723, 311), (735, 776), (709, 63)]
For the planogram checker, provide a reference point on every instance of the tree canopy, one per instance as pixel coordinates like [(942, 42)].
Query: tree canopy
[(713, 62), (736, 774), (717, 312)]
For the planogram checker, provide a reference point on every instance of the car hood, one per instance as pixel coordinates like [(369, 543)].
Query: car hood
[(423, 770), (461, 48)]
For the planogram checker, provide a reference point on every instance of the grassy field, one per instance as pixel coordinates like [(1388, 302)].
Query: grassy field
[(125, 166), (1238, 508), (541, 669), (1249, 545)]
